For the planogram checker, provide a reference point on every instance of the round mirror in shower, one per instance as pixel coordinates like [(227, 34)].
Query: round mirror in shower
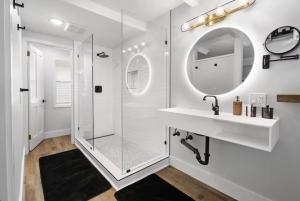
[(220, 61), (283, 40), (138, 74)]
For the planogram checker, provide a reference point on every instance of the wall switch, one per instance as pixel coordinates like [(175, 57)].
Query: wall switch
[(258, 99)]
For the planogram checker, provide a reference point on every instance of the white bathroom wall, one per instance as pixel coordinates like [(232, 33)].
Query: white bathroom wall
[(245, 173), (17, 101), (6, 179), (103, 102), (12, 149)]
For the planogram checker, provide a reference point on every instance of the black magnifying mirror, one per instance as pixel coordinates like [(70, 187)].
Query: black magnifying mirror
[(280, 42), (283, 40)]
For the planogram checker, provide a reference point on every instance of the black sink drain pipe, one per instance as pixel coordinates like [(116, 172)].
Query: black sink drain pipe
[(196, 151)]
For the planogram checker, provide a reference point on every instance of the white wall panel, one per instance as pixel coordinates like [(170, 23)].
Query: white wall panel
[(273, 175)]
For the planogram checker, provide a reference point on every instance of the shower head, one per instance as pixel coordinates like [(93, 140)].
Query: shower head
[(102, 55)]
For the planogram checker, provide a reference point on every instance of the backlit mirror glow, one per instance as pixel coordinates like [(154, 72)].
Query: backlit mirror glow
[(138, 74)]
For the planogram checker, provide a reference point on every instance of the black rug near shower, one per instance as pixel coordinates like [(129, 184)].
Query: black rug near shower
[(69, 176), (152, 188)]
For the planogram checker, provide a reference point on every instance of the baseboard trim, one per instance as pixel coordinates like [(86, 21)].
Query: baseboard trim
[(22, 190), (57, 133), (229, 188)]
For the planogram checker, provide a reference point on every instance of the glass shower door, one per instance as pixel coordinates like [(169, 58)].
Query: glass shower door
[(85, 93), (122, 82), (145, 71)]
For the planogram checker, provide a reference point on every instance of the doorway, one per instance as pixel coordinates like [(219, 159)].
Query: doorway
[(49, 81)]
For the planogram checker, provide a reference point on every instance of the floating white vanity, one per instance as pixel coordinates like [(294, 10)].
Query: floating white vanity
[(252, 132)]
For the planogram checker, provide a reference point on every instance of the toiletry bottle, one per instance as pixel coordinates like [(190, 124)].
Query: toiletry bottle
[(237, 106), (267, 112), (253, 111)]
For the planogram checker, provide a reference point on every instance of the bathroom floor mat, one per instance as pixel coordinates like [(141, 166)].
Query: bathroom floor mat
[(69, 176), (151, 188)]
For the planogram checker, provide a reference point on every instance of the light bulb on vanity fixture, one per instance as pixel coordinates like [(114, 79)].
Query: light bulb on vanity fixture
[(220, 11), (202, 20), (244, 2), (186, 26)]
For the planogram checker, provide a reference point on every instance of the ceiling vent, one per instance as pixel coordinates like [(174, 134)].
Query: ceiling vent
[(72, 28)]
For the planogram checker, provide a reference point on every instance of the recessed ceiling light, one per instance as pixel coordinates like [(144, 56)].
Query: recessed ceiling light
[(56, 21)]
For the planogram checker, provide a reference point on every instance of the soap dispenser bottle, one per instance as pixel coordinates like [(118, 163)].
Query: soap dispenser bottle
[(237, 106)]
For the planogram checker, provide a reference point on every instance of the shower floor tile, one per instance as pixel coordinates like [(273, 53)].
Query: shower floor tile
[(133, 154)]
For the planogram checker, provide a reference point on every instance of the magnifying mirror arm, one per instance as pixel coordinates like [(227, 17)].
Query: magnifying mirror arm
[(267, 59)]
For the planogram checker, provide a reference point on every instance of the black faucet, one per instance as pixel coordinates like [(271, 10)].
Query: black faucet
[(215, 107)]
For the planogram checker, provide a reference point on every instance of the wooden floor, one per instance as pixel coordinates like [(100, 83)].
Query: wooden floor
[(195, 189)]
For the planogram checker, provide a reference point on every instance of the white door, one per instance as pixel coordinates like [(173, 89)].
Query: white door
[(36, 98)]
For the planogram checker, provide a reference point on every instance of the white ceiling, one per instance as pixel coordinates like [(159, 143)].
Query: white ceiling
[(107, 32), (145, 10)]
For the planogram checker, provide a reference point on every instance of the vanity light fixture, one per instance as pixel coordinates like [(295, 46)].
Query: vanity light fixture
[(217, 14)]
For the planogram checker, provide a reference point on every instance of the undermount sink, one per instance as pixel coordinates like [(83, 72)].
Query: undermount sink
[(253, 132)]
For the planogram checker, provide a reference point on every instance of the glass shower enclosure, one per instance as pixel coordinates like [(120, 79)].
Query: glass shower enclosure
[(122, 82)]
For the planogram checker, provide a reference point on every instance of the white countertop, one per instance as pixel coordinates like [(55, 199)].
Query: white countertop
[(255, 121)]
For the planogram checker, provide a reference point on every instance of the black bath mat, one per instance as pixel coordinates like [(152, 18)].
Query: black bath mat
[(152, 188), (69, 176)]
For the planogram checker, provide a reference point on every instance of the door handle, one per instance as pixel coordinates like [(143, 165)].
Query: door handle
[(23, 90), (44, 101)]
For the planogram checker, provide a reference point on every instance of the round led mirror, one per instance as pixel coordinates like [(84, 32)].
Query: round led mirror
[(282, 40), (220, 61), (138, 74)]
